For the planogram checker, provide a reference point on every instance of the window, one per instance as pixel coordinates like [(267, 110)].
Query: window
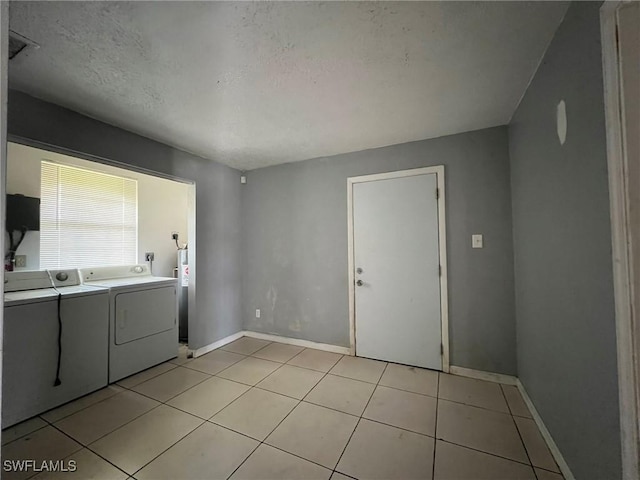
[(87, 218)]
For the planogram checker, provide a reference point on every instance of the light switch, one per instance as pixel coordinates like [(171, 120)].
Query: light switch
[(257, 313), (476, 240)]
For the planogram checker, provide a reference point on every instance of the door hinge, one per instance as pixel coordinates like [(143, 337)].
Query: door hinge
[(441, 349), (439, 270), (437, 193)]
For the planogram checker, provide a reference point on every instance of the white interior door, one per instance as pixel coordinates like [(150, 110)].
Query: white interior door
[(397, 274)]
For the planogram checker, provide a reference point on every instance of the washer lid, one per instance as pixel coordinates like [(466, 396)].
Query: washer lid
[(80, 290), (29, 296), (16, 281)]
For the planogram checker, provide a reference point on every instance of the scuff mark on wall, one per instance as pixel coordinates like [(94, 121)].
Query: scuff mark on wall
[(272, 299)]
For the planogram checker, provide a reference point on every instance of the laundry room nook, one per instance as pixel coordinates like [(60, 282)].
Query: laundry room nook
[(96, 277)]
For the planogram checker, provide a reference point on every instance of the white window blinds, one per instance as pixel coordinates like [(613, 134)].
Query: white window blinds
[(87, 218)]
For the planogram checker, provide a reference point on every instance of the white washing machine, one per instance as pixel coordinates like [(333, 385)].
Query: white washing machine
[(143, 312), (32, 310)]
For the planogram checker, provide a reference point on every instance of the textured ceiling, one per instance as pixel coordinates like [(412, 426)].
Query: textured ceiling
[(257, 84)]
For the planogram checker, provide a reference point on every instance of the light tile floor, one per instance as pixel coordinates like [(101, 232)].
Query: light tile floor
[(260, 410)]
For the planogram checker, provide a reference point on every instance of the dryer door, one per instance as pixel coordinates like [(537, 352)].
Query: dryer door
[(142, 313)]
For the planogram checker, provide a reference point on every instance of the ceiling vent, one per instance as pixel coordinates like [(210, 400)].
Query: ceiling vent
[(19, 44)]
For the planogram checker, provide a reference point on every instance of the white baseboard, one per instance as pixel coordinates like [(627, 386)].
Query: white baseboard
[(220, 343), (480, 375), (298, 342), (272, 338), (555, 451), (511, 380)]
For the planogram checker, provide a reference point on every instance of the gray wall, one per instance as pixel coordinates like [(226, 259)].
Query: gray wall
[(564, 289), (295, 244), (217, 201)]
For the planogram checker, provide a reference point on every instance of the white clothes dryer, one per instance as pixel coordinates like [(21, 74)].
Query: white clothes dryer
[(143, 312)]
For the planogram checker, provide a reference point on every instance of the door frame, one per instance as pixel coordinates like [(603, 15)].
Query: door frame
[(442, 251), (4, 79), (623, 248)]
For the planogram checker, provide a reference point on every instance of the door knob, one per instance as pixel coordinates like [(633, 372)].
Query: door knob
[(359, 283)]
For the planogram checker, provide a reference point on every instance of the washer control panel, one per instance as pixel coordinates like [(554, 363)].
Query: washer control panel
[(65, 278), (97, 274)]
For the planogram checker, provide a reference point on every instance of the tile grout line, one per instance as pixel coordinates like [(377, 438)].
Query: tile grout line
[(313, 369), (211, 375), (101, 437), (306, 395), (219, 371), (309, 403), (321, 379), (491, 453), (359, 418), (435, 428), (225, 368), (278, 343), (87, 447), (526, 451), (170, 446), (30, 433), (316, 405), (263, 379), (160, 403), (525, 445), (145, 370), (487, 453), (131, 387), (174, 396), (508, 414), (53, 424), (285, 417), (325, 373), (208, 420), (222, 349), (81, 409), (282, 364), (382, 385), (34, 473), (199, 418), (408, 391), (244, 434)]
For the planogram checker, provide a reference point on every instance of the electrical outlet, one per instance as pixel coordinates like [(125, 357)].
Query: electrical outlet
[(257, 313), (149, 256), (174, 235), (21, 261)]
